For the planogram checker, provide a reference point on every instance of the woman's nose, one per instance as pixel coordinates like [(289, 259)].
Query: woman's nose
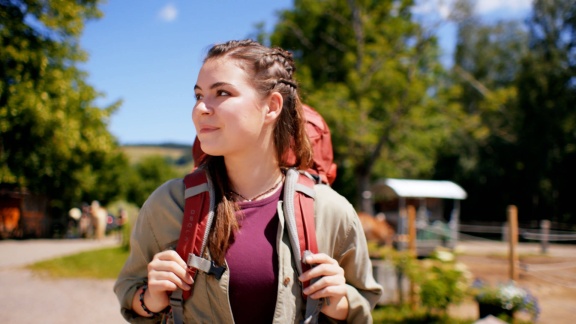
[(203, 107)]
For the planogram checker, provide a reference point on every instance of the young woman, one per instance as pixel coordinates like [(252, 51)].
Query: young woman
[(247, 115)]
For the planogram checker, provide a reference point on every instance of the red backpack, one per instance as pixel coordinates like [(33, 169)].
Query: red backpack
[(298, 209)]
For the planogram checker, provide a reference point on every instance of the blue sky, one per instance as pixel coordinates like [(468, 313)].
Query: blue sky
[(148, 54)]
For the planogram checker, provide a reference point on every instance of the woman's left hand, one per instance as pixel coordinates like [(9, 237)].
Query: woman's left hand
[(330, 285)]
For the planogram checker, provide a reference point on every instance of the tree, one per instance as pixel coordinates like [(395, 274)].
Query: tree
[(370, 70), (54, 139), (482, 157), (146, 176), (547, 86)]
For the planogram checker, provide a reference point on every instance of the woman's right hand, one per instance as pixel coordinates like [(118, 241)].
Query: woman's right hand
[(166, 273)]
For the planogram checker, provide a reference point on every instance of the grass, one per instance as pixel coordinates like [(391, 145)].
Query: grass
[(100, 264), (136, 153), (404, 314)]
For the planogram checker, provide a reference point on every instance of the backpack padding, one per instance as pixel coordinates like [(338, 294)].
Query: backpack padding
[(304, 216), (197, 218), (299, 198)]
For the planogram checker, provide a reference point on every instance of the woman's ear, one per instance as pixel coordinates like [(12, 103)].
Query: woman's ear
[(274, 108)]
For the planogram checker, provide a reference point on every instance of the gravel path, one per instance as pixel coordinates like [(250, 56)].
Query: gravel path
[(29, 298)]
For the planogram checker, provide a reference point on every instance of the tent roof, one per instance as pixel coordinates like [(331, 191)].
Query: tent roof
[(420, 188)]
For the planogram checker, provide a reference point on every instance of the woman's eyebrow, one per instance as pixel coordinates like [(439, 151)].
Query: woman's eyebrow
[(213, 86)]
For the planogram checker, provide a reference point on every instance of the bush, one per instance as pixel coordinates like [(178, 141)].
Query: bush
[(507, 296), (441, 281)]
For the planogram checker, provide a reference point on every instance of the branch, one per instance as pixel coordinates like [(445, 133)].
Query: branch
[(483, 90)]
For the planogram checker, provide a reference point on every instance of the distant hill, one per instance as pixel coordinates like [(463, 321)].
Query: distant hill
[(179, 154)]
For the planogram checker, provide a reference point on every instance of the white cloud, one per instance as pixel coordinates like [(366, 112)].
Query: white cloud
[(441, 8), (168, 13), (433, 7), (490, 6)]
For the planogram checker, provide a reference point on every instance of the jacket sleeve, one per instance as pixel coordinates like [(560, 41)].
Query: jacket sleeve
[(156, 229), (346, 243)]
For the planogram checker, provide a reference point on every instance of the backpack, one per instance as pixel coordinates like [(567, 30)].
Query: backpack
[(299, 197), (323, 166), (298, 209)]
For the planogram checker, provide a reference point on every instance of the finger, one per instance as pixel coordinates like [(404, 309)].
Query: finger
[(319, 258), (329, 292), (325, 269), (171, 255), (324, 283), (166, 281), (170, 261)]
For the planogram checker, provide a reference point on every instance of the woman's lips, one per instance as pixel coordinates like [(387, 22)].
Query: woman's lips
[(207, 129)]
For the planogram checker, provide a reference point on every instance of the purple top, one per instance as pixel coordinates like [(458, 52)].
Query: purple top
[(253, 262)]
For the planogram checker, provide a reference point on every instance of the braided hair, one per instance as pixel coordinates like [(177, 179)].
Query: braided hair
[(270, 70)]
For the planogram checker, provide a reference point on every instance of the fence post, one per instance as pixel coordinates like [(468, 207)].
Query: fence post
[(513, 241), (545, 231), (412, 230), (412, 249)]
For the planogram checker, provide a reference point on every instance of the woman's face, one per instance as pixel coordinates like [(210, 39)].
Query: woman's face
[(229, 115)]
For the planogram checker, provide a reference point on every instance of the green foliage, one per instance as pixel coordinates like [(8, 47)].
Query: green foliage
[(391, 314), (100, 264), (370, 70), (146, 176), (547, 97), (441, 281), (516, 84), (507, 296), (54, 139), (132, 211)]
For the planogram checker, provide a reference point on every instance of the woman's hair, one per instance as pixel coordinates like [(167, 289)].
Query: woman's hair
[(270, 70)]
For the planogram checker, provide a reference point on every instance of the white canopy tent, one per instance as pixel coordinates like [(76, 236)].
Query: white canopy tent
[(421, 189)]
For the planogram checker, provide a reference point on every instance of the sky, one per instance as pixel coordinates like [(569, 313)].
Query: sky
[(148, 54)]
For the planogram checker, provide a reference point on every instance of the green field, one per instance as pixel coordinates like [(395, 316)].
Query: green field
[(175, 152), (99, 264)]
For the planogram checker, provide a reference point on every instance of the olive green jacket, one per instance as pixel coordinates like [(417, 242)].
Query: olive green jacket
[(339, 234)]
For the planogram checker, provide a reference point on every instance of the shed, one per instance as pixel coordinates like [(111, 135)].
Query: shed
[(403, 189)]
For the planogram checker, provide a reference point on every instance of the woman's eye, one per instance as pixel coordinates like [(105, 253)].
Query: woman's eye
[(223, 93), (198, 96)]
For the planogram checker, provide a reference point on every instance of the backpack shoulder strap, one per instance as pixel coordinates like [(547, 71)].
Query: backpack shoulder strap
[(196, 222), (299, 197)]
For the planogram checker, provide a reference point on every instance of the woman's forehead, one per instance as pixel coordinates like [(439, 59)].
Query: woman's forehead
[(222, 70)]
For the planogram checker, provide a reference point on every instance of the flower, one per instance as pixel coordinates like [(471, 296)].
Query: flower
[(508, 296)]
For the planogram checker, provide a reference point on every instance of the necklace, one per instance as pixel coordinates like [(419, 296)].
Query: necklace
[(259, 195)]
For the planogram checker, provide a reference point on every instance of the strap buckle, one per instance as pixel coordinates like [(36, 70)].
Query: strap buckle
[(205, 265)]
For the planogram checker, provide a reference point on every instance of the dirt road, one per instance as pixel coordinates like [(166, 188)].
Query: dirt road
[(551, 277), (29, 298)]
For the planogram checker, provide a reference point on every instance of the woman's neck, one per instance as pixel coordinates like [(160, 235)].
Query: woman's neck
[(253, 176)]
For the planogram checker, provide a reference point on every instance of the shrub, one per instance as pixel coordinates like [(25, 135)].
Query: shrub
[(507, 296), (440, 281)]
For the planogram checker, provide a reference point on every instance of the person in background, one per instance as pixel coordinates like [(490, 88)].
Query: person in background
[(247, 115), (99, 219)]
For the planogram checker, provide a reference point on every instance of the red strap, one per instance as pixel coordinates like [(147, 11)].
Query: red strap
[(196, 209), (304, 214), (194, 221)]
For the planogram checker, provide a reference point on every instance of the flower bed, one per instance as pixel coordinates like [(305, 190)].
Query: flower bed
[(505, 298)]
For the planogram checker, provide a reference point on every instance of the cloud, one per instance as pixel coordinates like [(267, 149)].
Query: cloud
[(432, 7), (441, 8), (490, 6), (168, 13)]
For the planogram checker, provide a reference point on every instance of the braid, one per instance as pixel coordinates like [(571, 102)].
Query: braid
[(270, 70)]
